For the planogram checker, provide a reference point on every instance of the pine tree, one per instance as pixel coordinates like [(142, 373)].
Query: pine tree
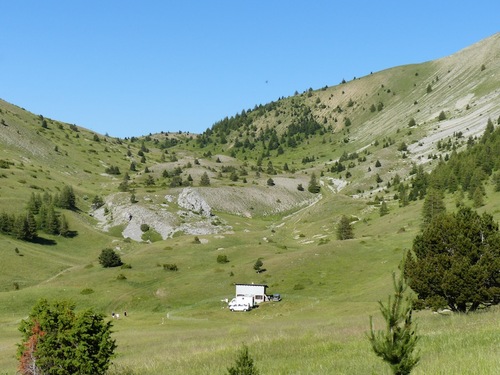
[(313, 186), (205, 180), (344, 229), (244, 364), (67, 198), (51, 221), (433, 206), (64, 226), (383, 209), (57, 340), (396, 344)]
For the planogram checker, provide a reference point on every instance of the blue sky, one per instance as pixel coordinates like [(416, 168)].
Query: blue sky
[(130, 68)]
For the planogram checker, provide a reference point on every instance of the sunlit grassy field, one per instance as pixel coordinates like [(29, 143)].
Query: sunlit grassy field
[(177, 322)]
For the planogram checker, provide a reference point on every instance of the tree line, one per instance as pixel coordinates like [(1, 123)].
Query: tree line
[(40, 214)]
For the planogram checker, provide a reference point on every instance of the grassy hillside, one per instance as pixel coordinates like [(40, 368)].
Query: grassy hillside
[(177, 321)]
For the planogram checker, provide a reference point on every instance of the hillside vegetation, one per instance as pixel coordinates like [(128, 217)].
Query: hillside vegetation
[(270, 183)]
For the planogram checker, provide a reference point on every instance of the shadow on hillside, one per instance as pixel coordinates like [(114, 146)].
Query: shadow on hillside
[(44, 241)]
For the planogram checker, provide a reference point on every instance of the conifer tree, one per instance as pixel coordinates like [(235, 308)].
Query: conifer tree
[(344, 229), (383, 209), (51, 221), (205, 180), (396, 344), (244, 364), (313, 186), (63, 226), (433, 206)]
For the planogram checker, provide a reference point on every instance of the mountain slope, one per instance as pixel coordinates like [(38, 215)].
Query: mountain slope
[(329, 286)]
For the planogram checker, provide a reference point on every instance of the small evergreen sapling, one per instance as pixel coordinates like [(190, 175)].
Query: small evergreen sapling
[(244, 364), (396, 344)]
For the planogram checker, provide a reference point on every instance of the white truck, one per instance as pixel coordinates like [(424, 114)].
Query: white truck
[(241, 303)]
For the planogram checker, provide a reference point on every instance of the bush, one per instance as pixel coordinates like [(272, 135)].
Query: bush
[(144, 227), (109, 258), (454, 262), (57, 340), (170, 267), (222, 259)]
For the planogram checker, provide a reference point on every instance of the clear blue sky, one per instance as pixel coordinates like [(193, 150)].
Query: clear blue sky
[(130, 68)]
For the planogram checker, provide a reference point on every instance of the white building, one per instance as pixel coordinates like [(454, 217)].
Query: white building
[(257, 291)]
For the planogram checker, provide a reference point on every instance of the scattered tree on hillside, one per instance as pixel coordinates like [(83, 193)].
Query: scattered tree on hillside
[(455, 262), (97, 202), (67, 198), (344, 229), (244, 364), (205, 180), (396, 344), (442, 116), (109, 258), (24, 227), (383, 209), (64, 226), (313, 186), (57, 340), (150, 181), (258, 265), (270, 182)]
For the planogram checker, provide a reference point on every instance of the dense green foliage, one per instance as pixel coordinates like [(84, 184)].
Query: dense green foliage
[(455, 262), (396, 344), (109, 258), (58, 341), (41, 215), (469, 169), (344, 229), (313, 186)]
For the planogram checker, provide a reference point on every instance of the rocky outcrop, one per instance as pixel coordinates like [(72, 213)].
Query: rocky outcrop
[(191, 200)]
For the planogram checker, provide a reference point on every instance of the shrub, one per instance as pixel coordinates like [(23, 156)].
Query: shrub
[(144, 227), (170, 267), (222, 259), (57, 340), (109, 258)]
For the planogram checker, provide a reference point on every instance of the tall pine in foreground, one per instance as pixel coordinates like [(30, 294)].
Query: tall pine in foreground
[(396, 344)]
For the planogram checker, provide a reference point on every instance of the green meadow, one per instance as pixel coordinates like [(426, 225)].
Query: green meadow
[(177, 322)]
